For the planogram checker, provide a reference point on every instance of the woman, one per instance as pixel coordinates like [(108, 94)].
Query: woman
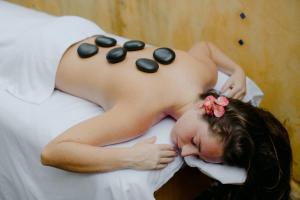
[(133, 101), (217, 129)]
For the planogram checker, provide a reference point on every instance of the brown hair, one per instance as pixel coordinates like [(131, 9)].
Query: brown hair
[(255, 140)]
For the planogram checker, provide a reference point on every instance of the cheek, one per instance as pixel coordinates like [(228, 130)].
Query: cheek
[(185, 129), (181, 136), (212, 151)]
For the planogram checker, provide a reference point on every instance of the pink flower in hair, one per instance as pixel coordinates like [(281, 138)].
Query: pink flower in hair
[(222, 101), (213, 106), (208, 104)]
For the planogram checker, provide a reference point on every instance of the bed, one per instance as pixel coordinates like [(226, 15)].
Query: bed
[(25, 128)]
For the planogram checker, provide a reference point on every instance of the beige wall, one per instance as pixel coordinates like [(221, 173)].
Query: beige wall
[(271, 32)]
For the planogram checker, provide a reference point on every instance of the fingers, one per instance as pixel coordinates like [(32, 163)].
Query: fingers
[(167, 147), (153, 156), (168, 154), (229, 89), (235, 86), (161, 166), (235, 92), (166, 160), (227, 85), (163, 162), (239, 95), (231, 92)]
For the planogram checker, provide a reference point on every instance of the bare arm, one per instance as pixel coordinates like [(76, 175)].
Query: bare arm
[(79, 148), (204, 50), (235, 86), (77, 157)]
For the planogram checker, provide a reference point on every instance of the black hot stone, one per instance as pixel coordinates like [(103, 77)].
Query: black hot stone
[(104, 41), (86, 50), (147, 65), (134, 45), (164, 55), (116, 55)]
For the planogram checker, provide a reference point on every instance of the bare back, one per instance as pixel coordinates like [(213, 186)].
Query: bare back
[(109, 84)]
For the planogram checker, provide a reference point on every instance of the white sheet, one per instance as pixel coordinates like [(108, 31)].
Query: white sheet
[(26, 128), (36, 45)]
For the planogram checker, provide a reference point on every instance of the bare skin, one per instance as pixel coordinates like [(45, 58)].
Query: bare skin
[(133, 101)]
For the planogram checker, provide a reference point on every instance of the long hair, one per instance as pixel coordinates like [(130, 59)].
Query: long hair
[(255, 140)]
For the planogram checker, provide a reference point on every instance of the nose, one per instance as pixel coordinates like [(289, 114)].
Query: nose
[(188, 150)]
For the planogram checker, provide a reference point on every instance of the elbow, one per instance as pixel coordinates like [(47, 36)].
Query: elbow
[(46, 156)]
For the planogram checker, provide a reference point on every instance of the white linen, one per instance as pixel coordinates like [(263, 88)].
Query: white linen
[(223, 173), (31, 49), (26, 128)]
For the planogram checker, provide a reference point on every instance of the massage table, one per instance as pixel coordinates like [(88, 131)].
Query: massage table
[(25, 128)]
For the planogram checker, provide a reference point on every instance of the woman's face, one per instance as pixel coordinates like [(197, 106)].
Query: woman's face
[(192, 136)]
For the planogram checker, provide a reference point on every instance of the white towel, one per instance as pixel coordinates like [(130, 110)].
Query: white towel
[(31, 49)]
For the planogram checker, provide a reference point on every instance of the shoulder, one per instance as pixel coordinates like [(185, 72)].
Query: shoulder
[(138, 115)]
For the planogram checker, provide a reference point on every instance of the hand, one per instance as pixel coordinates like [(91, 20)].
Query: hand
[(235, 86), (148, 155)]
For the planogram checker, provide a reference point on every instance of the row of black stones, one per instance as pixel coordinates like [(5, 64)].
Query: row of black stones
[(162, 55)]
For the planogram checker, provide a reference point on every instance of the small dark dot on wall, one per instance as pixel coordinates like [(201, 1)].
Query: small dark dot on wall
[(241, 42), (242, 15)]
